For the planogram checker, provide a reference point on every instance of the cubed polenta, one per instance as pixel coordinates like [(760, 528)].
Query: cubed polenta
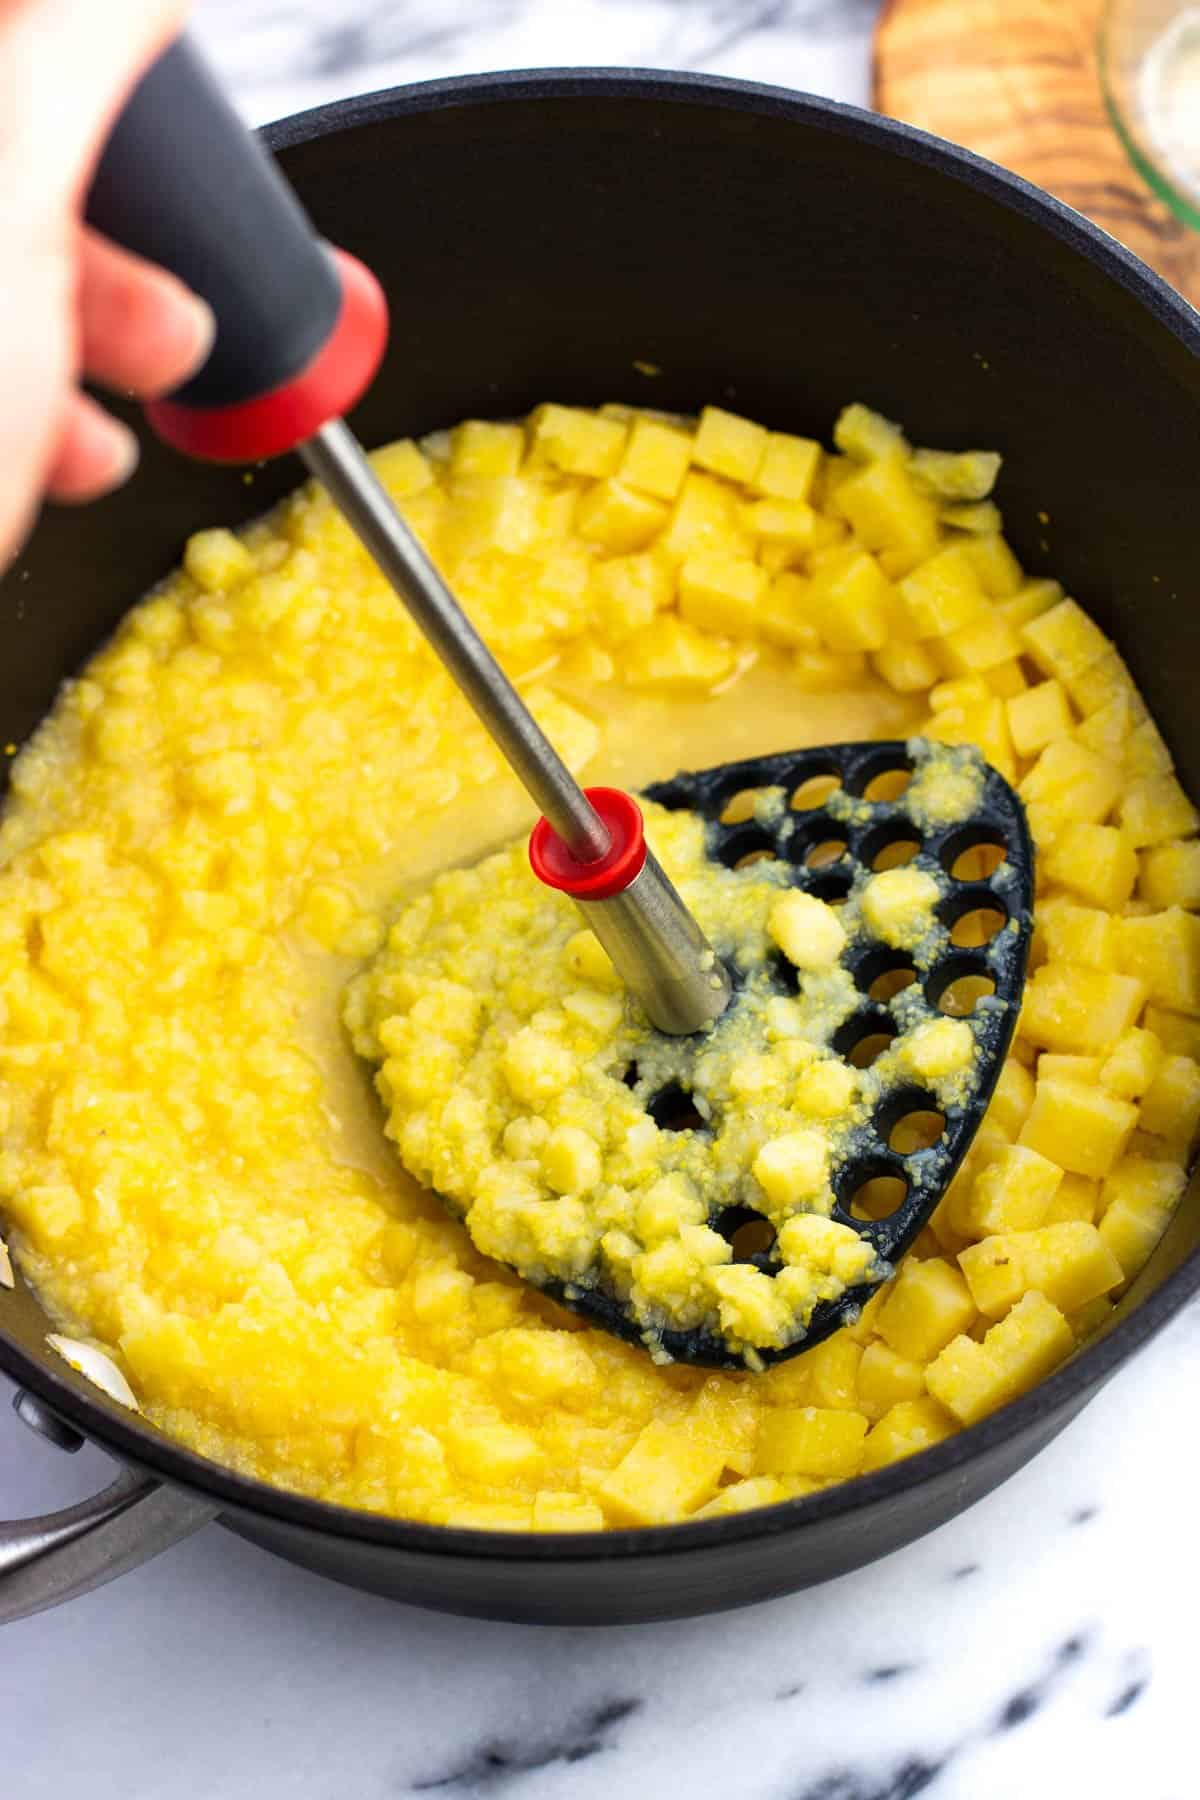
[(1080, 1127), (972, 1379), (200, 844), (927, 1306), (811, 1440)]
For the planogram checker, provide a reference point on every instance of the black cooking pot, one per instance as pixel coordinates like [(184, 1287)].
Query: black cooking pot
[(671, 240)]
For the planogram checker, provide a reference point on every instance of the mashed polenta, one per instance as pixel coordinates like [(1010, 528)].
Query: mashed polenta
[(213, 830)]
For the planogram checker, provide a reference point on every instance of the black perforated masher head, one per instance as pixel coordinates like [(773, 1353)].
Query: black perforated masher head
[(841, 814)]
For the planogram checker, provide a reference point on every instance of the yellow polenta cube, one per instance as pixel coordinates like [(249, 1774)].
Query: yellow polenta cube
[(1011, 1098), (1136, 1202), (1077, 1198), (560, 1510), (790, 524), (885, 1378), (705, 517), (865, 435), (492, 1451), (832, 1371), (783, 617), (722, 593), (1063, 641), (1074, 781), (938, 1049), (1097, 862), (1169, 874), (927, 1305), (810, 1440), (1066, 932), (788, 467), (1038, 716), (974, 515), (1007, 679), (403, 469), (944, 594), (671, 656), (793, 1167), (908, 668), (961, 475), (481, 447), (1171, 1107), (1101, 682), (1156, 809), (825, 1089), (1054, 1067), (656, 458), (983, 644), (1079, 1010), (996, 566), (972, 1379), (1178, 1034), (1132, 1063), (1031, 600), (668, 1471), (217, 561), (629, 591), (808, 1240), (822, 671), (1082, 1129), (728, 445), (571, 1160), (1145, 753), (1011, 1193), (1069, 1263), (578, 442), (1162, 951), (897, 905), (618, 519), (848, 600), (907, 1427), (888, 512), (809, 932)]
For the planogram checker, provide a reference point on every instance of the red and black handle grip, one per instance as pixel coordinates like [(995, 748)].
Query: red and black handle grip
[(301, 327)]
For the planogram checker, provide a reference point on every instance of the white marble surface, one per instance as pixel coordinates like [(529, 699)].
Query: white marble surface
[(1040, 1646)]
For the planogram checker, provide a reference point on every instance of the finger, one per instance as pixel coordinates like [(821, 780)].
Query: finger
[(140, 329), (94, 455)]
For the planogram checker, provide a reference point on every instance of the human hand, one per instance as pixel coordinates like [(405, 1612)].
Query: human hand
[(71, 303)]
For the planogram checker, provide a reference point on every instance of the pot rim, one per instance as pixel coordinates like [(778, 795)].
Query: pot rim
[(117, 1431)]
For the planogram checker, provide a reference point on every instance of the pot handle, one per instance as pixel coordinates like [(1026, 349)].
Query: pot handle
[(60, 1555)]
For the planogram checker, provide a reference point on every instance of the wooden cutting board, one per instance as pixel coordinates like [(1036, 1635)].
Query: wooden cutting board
[(1017, 81)]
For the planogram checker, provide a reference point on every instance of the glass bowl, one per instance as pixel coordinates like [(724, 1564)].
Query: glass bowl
[(1150, 71)]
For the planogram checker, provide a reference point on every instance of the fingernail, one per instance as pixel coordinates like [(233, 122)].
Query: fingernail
[(126, 452), (204, 326)]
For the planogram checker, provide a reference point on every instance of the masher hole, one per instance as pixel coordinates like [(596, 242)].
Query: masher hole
[(673, 1109), (978, 927), (915, 1131), (862, 1040), (740, 806), (974, 853), (754, 1238), (814, 792), (977, 863), (828, 850), (959, 998), (889, 784), (896, 854), (749, 844), (892, 982), (878, 1197)]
